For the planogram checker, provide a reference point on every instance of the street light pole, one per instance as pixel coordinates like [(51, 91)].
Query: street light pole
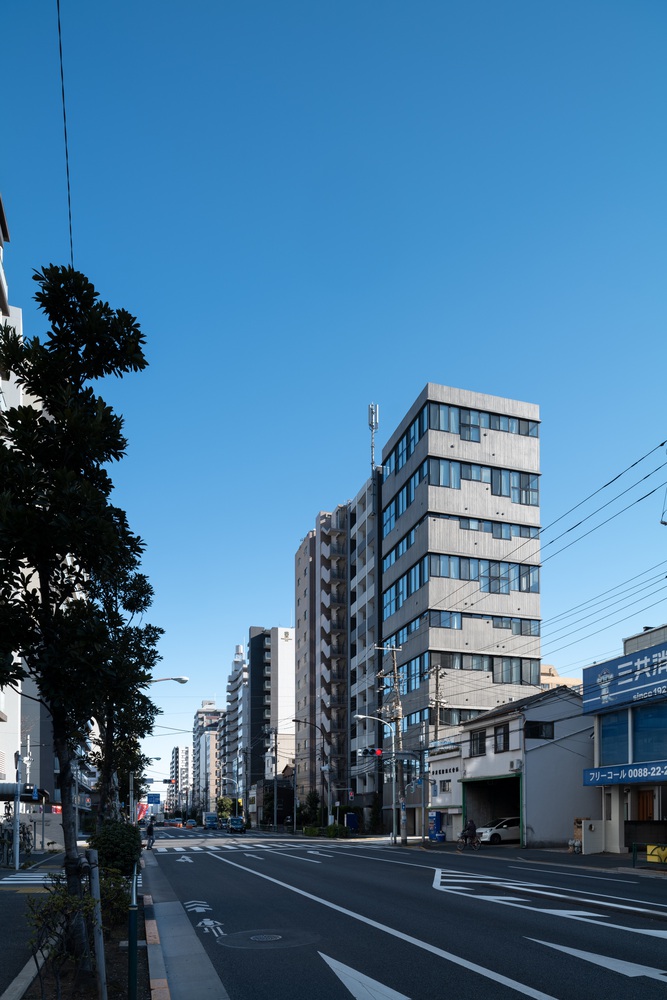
[(324, 763), (392, 723)]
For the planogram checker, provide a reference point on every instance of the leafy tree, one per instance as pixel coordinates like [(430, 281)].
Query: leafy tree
[(224, 806), (310, 810), (124, 712), (59, 534)]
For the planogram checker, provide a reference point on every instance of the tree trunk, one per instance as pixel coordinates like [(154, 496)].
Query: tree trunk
[(74, 864)]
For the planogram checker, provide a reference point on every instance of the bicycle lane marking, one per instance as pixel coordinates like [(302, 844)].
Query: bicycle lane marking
[(496, 977)]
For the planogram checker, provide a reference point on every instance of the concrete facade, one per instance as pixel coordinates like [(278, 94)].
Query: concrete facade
[(460, 565)]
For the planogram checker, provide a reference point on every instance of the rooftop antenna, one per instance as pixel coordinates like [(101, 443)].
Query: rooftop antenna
[(373, 424)]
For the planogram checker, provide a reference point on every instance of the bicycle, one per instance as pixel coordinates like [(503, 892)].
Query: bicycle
[(463, 842)]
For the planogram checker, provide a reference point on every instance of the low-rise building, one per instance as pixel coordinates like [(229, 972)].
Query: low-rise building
[(524, 759), (626, 701)]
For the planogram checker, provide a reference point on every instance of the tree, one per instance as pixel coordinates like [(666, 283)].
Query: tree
[(123, 711), (58, 531)]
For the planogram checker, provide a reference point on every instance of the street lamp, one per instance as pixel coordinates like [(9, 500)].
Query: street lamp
[(179, 680), (393, 724), (325, 764)]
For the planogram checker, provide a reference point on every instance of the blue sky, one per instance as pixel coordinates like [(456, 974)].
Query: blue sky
[(312, 206)]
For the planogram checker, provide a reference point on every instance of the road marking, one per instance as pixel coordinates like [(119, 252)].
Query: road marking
[(615, 964), (188, 861), (496, 977), (197, 906), (321, 855), (361, 987), (591, 899), (597, 878), (295, 857), (213, 927)]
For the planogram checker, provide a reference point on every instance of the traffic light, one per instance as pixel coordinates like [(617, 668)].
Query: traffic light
[(370, 752), (169, 781)]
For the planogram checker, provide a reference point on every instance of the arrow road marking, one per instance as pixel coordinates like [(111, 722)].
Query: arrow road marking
[(615, 964), (197, 906), (361, 987), (321, 855)]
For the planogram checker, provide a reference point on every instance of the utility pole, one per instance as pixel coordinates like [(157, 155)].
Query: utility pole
[(275, 780), (397, 718)]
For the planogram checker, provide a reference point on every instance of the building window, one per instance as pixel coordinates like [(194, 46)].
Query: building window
[(534, 730), (649, 733), (478, 743), (445, 786), (501, 738)]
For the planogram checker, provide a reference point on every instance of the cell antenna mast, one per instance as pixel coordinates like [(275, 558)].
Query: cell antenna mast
[(373, 423)]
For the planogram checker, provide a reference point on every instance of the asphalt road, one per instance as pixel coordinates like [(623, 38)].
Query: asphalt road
[(282, 917)]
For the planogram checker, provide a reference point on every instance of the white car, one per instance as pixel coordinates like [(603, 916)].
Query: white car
[(498, 831)]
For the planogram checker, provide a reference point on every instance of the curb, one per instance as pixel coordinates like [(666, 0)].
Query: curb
[(157, 972)]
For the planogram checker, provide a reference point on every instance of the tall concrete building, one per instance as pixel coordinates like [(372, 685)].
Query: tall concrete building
[(366, 774), (418, 601), (204, 754), (233, 746), (270, 667), (460, 557), (322, 659), (179, 793)]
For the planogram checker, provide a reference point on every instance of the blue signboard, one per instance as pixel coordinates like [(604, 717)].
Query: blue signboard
[(153, 798), (636, 677), (626, 774)]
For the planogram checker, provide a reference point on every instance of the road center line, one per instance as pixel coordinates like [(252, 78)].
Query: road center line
[(438, 952)]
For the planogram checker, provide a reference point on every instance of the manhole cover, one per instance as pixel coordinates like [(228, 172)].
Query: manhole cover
[(265, 938)]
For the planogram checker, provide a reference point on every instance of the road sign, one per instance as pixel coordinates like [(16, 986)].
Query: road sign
[(153, 798)]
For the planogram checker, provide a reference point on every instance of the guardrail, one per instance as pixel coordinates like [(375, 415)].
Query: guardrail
[(656, 854)]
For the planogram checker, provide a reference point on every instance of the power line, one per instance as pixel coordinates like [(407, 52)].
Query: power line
[(62, 90)]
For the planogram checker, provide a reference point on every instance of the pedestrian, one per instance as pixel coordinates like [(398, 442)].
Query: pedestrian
[(150, 835)]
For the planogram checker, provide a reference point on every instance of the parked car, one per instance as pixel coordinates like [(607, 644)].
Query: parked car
[(236, 824), (498, 831), (190, 824)]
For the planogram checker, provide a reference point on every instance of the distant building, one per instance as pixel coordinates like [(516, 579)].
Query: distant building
[(550, 678), (179, 794), (204, 753)]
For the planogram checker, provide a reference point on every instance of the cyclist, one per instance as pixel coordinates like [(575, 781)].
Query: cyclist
[(469, 831)]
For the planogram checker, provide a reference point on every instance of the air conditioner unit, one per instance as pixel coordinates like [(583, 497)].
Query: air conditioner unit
[(516, 765)]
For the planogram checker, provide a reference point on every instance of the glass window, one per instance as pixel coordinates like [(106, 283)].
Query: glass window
[(649, 732), (478, 743), (614, 737), (501, 738), (534, 730)]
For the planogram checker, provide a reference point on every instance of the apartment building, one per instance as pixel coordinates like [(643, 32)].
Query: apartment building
[(235, 741), (322, 659), (366, 769), (270, 669), (459, 549), (179, 793), (204, 753)]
